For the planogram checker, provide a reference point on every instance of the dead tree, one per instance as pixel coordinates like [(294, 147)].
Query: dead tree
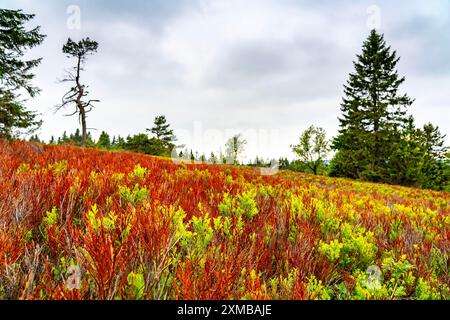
[(77, 95)]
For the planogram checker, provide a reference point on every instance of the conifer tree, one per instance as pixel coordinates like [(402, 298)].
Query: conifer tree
[(15, 72), (434, 166), (374, 114), (104, 141)]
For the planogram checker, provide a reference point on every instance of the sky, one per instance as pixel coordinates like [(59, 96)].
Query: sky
[(266, 69)]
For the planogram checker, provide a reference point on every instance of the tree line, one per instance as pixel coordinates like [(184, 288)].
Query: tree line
[(377, 141)]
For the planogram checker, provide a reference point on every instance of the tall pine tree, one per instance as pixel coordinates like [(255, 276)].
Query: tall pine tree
[(373, 114), (15, 71)]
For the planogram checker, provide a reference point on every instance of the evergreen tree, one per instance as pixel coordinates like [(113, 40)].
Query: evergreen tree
[(15, 72), (121, 142), (373, 114), (434, 166), (143, 144), (162, 131), (407, 159), (103, 141), (35, 138), (64, 138), (76, 138)]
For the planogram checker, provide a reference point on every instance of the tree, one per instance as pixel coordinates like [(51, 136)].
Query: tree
[(78, 92), (434, 167), (76, 137), (104, 141), (162, 131), (373, 114), (15, 72), (213, 158), (64, 137), (35, 138), (312, 148), (407, 158), (234, 148), (143, 144), (284, 163)]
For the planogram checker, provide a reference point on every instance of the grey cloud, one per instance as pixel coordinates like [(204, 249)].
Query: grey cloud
[(268, 82)]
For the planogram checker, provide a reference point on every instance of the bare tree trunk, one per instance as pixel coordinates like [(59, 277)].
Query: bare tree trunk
[(81, 110), (83, 127)]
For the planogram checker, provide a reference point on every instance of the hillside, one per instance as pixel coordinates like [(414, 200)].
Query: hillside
[(88, 224)]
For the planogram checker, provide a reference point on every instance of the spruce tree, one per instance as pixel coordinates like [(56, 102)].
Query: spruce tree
[(434, 167), (373, 114), (15, 72), (104, 141)]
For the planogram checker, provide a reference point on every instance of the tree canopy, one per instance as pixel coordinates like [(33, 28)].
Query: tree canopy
[(16, 72)]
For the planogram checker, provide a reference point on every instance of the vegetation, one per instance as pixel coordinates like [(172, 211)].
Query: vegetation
[(234, 148), (378, 140), (92, 224), (15, 72), (87, 223), (313, 148)]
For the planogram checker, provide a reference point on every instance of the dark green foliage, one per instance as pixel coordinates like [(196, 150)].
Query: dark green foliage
[(283, 163), (35, 138), (162, 131), (143, 144), (419, 158), (74, 139), (407, 159), (162, 143), (446, 185), (373, 114), (436, 166), (15, 72), (81, 49), (377, 140), (14, 119), (104, 141)]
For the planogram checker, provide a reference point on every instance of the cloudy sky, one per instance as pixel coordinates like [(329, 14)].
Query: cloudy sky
[(267, 69)]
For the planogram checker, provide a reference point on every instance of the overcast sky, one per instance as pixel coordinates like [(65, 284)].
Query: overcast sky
[(268, 69)]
